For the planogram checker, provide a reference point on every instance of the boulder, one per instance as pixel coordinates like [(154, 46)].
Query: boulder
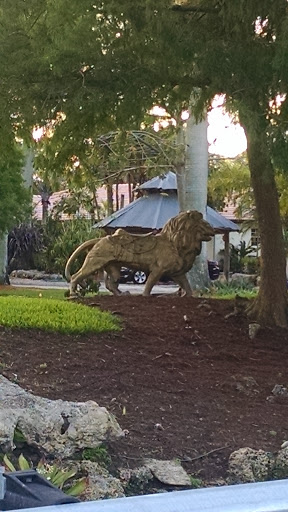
[(55, 427), (280, 469), (248, 465), (169, 472), (100, 484)]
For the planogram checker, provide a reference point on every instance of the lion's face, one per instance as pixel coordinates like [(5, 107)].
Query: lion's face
[(188, 230)]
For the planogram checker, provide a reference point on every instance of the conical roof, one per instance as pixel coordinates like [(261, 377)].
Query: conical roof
[(154, 210), (165, 181)]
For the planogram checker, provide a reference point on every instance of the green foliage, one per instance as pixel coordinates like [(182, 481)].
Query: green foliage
[(36, 293), (99, 454), (14, 198), (251, 264), (196, 483), (54, 315), (229, 181), (60, 239), (52, 472), (24, 242), (238, 256), (230, 290)]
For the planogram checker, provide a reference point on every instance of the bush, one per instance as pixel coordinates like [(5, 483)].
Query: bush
[(251, 264), (60, 239), (54, 315), (24, 242)]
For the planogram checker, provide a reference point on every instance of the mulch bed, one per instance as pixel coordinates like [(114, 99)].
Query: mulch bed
[(183, 380)]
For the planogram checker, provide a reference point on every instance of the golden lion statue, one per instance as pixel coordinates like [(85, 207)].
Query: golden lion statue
[(171, 252)]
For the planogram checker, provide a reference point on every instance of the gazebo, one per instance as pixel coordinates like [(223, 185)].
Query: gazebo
[(157, 204)]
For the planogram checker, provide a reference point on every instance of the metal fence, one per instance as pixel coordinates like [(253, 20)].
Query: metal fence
[(256, 497)]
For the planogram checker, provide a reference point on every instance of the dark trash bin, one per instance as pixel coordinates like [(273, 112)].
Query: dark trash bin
[(28, 489)]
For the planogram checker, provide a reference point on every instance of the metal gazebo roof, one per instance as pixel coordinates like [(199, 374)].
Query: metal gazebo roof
[(153, 210)]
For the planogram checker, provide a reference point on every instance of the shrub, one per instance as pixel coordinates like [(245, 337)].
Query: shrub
[(24, 242), (54, 315), (60, 239)]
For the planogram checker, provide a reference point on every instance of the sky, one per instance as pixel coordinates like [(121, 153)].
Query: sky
[(224, 137)]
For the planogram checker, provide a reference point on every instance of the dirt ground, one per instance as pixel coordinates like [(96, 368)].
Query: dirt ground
[(183, 380)]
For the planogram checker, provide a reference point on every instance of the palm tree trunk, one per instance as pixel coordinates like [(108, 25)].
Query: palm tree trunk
[(193, 191)]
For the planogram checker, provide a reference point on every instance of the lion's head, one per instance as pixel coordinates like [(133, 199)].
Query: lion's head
[(188, 230)]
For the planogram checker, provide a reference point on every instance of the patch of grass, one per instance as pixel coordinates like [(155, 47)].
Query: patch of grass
[(230, 290), (54, 315), (47, 293), (98, 454), (196, 483)]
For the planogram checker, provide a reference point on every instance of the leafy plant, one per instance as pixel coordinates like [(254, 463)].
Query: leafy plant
[(60, 239), (98, 454), (52, 472), (231, 289), (196, 483), (238, 256), (24, 242)]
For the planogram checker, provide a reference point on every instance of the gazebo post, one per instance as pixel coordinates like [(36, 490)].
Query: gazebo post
[(226, 255)]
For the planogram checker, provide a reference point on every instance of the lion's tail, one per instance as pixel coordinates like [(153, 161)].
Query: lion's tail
[(86, 245)]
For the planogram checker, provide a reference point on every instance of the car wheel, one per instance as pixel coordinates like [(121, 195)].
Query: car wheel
[(139, 277)]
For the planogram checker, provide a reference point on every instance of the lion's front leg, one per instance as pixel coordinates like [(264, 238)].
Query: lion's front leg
[(153, 278), (184, 285), (88, 268)]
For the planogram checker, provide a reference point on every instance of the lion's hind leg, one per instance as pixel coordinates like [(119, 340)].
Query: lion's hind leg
[(112, 278), (153, 278), (184, 284)]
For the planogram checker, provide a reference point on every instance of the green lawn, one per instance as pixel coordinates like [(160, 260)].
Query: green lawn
[(51, 314), (46, 293)]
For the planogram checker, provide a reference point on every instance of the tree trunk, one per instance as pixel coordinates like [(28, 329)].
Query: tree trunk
[(270, 307), (4, 279), (27, 173), (110, 203), (194, 191)]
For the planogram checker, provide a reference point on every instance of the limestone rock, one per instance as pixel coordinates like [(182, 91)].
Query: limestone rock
[(254, 328), (248, 465), (281, 464), (101, 485), (56, 427), (280, 390), (169, 472), (137, 478)]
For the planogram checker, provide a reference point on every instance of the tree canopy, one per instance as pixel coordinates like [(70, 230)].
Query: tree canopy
[(15, 199), (90, 68)]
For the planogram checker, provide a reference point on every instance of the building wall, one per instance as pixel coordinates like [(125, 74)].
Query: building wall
[(216, 245)]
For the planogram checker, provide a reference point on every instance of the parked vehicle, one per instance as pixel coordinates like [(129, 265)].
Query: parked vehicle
[(129, 275)]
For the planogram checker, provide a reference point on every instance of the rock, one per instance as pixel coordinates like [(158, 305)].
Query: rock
[(169, 472), (280, 469), (137, 478), (280, 390), (56, 427), (253, 329), (246, 385), (243, 279), (101, 485), (36, 275), (248, 465)]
